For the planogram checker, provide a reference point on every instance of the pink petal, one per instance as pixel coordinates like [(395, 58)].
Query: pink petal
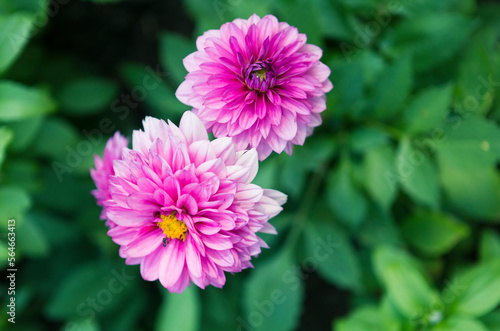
[(149, 265), (215, 166), (287, 129), (223, 258), (192, 128), (200, 152), (145, 243), (224, 149), (217, 242), (128, 217), (193, 260), (172, 263), (249, 160), (249, 192), (277, 196), (268, 228), (143, 202), (188, 203)]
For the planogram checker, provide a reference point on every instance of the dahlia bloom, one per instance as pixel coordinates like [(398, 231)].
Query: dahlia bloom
[(258, 82), (104, 168), (183, 207)]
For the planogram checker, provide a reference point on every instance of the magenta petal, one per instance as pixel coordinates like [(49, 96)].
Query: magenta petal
[(201, 151), (288, 127), (182, 282), (143, 202), (149, 265), (193, 260), (145, 243), (128, 217), (222, 258), (188, 203), (249, 159), (249, 192), (192, 128), (217, 242), (172, 263), (224, 149)]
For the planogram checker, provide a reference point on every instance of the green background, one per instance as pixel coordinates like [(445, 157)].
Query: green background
[(394, 203)]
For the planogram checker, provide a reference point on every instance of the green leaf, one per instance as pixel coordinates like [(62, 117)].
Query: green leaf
[(35, 7), (359, 4), (173, 49), (422, 37), (328, 246), (492, 320), (64, 192), (474, 192), (480, 289), (459, 323), (4, 254), (30, 239), (82, 325), (5, 139), (345, 198), (273, 294), (392, 88), (180, 311), (219, 311), (348, 86), (373, 65), (380, 172), (209, 15), (489, 248), (477, 81), (467, 156), (14, 202), (129, 314), (54, 230), (304, 16), (20, 102), (417, 174), (15, 31), (428, 109), (87, 96), (267, 174), (22, 173), (150, 87), (364, 139), (24, 132), (404, 283), (379, 228), (332, 21), (57, 139), (434, 233), (90, 290), (364, 318), (445, 6)]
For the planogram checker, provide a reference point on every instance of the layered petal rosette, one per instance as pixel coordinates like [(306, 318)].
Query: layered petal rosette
[(257, 81), (183, 207)]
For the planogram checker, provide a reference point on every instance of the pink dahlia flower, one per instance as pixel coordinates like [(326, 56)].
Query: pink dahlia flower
[(104, 168), (183, 207), (257, 81)]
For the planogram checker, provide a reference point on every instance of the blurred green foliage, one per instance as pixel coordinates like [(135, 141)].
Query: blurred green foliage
[(393, 215)]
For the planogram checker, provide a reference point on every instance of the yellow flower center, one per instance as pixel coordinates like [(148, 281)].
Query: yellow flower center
[(172, 227), (260, 73)]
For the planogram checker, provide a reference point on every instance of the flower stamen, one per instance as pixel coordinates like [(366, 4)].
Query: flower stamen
[(261, 74), (172, 227)]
